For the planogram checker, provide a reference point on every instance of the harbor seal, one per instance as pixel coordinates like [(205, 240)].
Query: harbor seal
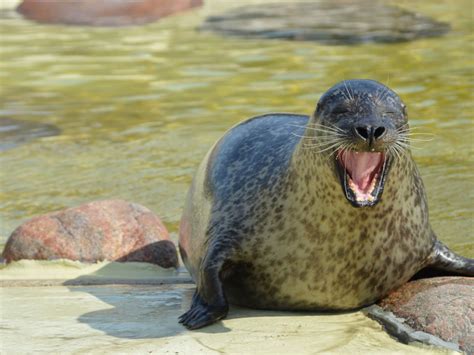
[(327, 212)]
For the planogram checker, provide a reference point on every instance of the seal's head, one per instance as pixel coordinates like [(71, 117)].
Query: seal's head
[(362, 126)]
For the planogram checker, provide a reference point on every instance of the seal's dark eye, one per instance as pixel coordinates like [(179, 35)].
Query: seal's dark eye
[(340, 111), (388, 114)]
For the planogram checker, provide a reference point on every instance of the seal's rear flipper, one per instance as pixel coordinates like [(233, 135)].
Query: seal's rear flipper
[(444, 262)]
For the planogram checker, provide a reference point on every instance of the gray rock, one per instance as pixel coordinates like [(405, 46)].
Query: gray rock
[(327, 21)]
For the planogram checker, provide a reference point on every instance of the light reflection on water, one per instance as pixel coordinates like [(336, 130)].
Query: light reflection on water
[(139, 107)]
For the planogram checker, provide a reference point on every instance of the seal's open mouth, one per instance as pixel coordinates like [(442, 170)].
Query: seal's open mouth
[(362, 176)]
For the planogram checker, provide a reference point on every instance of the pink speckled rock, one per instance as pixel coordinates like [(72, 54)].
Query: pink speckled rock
[(102, 12), (100, 230), (442, 306)]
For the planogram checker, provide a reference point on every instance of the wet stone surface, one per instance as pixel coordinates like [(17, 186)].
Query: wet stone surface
[(142, 319), (327, 21), (442, 307)]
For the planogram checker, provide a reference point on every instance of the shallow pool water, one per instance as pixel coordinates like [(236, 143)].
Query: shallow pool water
[(138, 107)]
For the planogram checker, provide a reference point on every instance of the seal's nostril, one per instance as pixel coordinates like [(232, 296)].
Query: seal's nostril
[(363, 132), (379, 132)]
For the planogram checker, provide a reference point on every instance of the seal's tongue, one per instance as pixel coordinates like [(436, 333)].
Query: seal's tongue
[(362, 167)]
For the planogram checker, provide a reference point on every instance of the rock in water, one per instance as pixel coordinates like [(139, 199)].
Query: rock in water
[(327, 21), (16, 132), (440, 306), (96, 231), (103, 12)]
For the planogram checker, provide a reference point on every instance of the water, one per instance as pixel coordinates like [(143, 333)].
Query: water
[(138, 107)]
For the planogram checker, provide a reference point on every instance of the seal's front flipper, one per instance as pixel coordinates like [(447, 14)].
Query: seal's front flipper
[(447, 261), (201, 313), (209, 303)]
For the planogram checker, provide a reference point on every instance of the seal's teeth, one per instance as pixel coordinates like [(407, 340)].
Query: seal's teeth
[(363, 168), (365, 195)]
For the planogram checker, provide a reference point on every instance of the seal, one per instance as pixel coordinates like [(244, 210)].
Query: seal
[(326, 212)]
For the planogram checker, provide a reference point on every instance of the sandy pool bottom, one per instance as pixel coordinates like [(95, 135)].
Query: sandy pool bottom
[(142, 319)]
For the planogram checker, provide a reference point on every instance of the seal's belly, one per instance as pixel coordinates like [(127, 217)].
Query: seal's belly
[(335, 276)]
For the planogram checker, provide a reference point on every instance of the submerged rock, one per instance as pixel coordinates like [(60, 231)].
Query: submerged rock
[(327, 21), (101, 230), (16, 132), (103, 12), (428, 309)]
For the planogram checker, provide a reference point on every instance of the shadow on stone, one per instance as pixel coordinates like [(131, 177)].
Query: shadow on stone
[(147, 311), (162, 253), (337, 22), (144, 308), (141, 308), (152, 311)]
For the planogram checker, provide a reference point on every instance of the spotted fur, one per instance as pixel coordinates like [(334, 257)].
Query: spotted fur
[(268, 219)]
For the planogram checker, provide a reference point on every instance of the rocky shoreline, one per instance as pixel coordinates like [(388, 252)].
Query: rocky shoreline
[(434, 311)]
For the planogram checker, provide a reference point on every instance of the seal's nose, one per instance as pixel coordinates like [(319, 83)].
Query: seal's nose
[(370, 133)]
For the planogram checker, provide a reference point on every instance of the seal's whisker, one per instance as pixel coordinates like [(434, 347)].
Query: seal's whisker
[(378, 97), (325, 128), (403, 151), (320, 128), (393, 151), (344, 146), (323, 139), (403, 131), (409, 135), (399, 151), (351, 91), (323, 144), (319, 145), (404, 144), (323, 147), (330, 148), (412, 127), (406, 128), (407, 146), (303, 136), (333, 150), (409, 139), (296, 125), (331, 127), (386, 92), (419, 134), (314, 141), (351, 97), (347, 98), (329, 137), (388, 79)]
